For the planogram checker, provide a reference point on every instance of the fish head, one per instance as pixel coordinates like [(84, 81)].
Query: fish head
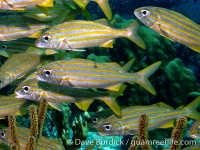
[(47, 40), (4, 137), (49, 74), (28, 90), (95, 121), (194, 131), (146, 16), (112, 129)]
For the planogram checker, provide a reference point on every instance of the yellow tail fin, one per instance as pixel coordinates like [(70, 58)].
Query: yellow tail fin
[(110, 100), (144, 75), (133, 34), (104, 4), (84, 105), (192, 109)]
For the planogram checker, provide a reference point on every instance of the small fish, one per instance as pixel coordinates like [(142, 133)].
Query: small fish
[(9, 48), (171, 25), (37, 90), (83, 73), (194, 131), (11, 105), (14, 27), (23, 135), (24, 4), (160, 116), (75, 34), (17, 66)]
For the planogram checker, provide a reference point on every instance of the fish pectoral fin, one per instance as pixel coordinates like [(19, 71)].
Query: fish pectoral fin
[(108, 44), (168, 125), (70, 48), (36, 34), (57, 106), (115, 87), (84, 105), (4, 53), (195, 48)]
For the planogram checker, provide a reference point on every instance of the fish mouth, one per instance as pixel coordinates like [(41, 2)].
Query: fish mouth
[(38, 76), (17, 95)]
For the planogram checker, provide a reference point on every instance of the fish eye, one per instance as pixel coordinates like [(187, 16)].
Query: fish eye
[(3, 134), (107, 127), (47, 72), (46, 38), (26, 89), (95, 120), (4, 46), (144, 12)]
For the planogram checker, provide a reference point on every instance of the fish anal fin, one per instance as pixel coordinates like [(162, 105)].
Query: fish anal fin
[(168, 125), (47, 3), (81, 3), (4, 53), (21, 112), (84, 105), (108, 44), (36, 34), (115, 87), (57, 106)]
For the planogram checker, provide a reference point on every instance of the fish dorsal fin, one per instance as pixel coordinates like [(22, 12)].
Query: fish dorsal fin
[(168, 125), (84, 105), (195, 48), (128, 65), (21, 112), (161, 104), (115, 87), (102, 21), (36, 34), (108, 44)]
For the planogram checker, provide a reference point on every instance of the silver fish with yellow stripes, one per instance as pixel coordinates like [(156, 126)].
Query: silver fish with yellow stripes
[(83, 73), (24, 4), (11, 105), (160, 116), (194, 131), (75, 34), (37, 90), (17, 66), (171, 25), (14, 27), (9, 48), (23, 135)]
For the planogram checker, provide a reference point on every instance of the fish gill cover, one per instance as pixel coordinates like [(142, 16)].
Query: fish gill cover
[(140, 58)]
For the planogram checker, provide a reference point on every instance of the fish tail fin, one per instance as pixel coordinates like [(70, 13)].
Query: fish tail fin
[(81, 3), (133, 34), (84, 105), (192, 109), (144, 75), (104, 4), (47, 3), (110, 100)]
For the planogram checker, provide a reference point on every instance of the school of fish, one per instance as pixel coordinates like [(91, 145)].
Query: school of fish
[(47, 28)]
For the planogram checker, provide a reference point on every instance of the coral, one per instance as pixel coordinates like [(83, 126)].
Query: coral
[(143, 122), (31, 145), (34, 121), (13, 132), (177, 133), (133, 145)]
